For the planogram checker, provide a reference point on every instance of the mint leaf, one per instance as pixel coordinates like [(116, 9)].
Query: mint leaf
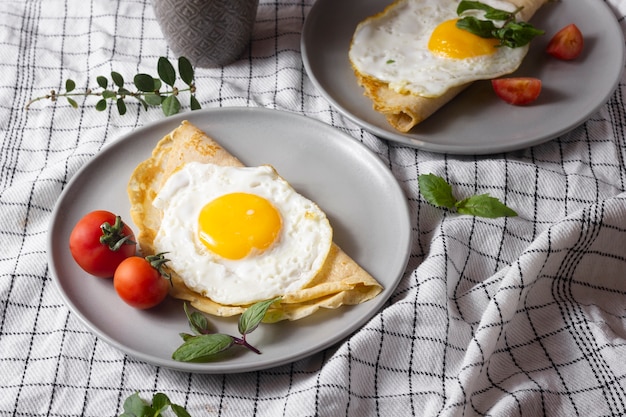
[(252, 317), (436, 190), (484, 206), (203, 347)]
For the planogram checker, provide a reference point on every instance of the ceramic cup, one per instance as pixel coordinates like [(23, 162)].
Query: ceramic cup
[(210, 33)]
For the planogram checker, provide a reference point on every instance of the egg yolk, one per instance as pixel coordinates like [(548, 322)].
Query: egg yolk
[(237, 224), (449, 41)]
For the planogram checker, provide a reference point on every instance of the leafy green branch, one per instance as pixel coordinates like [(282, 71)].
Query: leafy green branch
[(439, 193), (203, 345), (150, 91)]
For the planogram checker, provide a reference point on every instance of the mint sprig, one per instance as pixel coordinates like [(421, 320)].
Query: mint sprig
[(438, 192), (150, 91), (511, 33), (203, 345), (135, 406)]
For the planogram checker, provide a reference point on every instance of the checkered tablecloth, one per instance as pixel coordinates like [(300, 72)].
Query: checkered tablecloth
[(520, 316)]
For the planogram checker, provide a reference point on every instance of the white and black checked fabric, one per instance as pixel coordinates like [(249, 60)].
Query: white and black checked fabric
[(521, 316)]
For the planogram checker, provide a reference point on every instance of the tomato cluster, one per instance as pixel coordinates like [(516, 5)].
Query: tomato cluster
[(103, 246), (566, 44)]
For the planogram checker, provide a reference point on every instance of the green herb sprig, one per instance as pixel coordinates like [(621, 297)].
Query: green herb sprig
[(135, 406), (204, 344), (512, 34), (439, 193), (149, 89)]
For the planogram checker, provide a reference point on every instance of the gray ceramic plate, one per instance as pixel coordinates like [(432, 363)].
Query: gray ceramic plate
[(477, 122), (363, 200)]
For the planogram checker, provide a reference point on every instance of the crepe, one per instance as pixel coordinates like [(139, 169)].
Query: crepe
[(404, 111), (341, 281)]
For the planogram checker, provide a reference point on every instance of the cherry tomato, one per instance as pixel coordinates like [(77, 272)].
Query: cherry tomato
[(517, 90), (567, 43), (140, 282), (100, 241)]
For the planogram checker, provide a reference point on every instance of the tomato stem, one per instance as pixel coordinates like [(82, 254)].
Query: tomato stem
[(113, 236)]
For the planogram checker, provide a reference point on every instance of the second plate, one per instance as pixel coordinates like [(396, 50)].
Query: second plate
[(476, 121)]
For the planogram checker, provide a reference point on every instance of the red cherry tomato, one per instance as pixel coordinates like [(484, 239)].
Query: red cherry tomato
[(140, 281), (100, 241), (567, 43), (517, 90)]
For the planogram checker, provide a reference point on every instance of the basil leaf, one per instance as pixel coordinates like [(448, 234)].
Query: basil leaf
[(490, 12), (202, 347), (135, 406), (482, 28), (516, 34), (512, 34), (484, 206), (251, 318), (436, 190), (180, 411), (197, 322), (160, 402), (471, 5)]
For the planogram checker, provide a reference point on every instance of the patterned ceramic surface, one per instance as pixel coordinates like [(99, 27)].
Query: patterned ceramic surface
[(211, 33)]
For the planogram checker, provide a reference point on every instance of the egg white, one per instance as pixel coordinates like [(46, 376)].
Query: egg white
[(392, 46), (288, 265)]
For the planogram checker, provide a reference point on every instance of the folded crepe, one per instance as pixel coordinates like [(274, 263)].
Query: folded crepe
[(405, 110), (341, 281)]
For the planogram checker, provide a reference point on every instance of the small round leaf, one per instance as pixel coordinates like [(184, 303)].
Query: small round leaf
[(186, 70), (144, 82), (170, 105), (102, 81), (101, 105), (70, 85), (121, 107), (195, 104), (166, 71), (117, 78), (153, 99)]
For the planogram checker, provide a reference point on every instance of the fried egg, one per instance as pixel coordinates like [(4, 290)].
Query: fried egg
[(239, 235), (415, 47)]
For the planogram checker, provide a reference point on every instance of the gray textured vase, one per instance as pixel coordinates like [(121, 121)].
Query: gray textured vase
[(210, 33)]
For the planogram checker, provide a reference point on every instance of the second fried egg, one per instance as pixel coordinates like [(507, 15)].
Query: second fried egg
[(240, 234), (415, 47)]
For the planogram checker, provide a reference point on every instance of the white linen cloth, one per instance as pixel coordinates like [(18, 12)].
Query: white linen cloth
[(520, 316)]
